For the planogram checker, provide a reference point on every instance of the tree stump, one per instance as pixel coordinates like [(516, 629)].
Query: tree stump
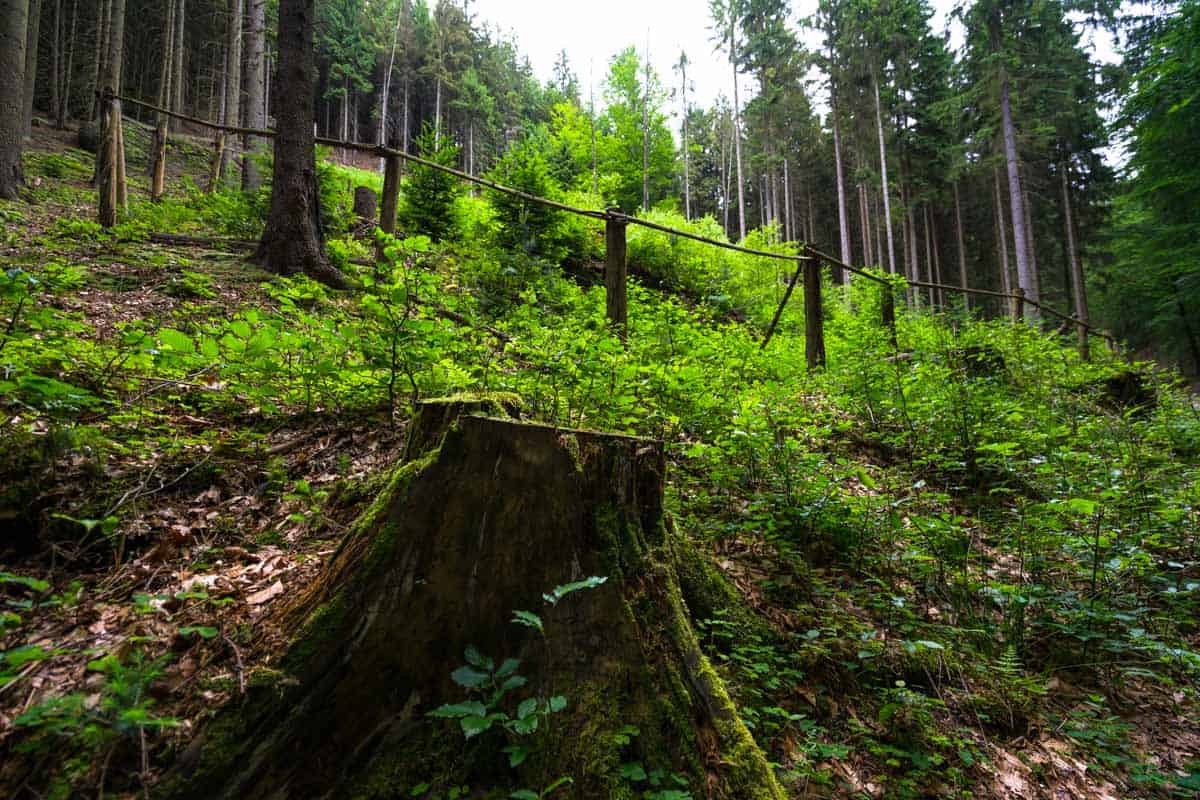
[(485, 515), (365, 204)]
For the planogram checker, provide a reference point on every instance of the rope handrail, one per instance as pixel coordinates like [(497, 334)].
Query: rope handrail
[(808, 253)]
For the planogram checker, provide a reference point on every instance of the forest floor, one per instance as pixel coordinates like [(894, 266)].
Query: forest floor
[(227, 510)]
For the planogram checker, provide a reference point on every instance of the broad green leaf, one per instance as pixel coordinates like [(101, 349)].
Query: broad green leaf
[(469, 678), (459, 710)]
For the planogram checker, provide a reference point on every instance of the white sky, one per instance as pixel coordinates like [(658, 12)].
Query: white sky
[(592, 33)]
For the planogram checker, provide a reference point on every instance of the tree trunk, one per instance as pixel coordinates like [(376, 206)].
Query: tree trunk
[(437, 115), (962, 250), (883, 174), (56, 52), (737, 134), (100, 65), (1031, 242), (843, 214), (1016, 199), (1078, 287), (255, 112), (111, 161), (484, 515), (177, 83), (292, 241), (64, 98), (865, 226), (13, 34), (32, 31), (158, 166), (233, 85), (687, 182), (1001, 234)]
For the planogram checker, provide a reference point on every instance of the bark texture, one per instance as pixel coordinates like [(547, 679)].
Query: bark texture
[(12, 89), (487, 514), (292, 242), (32, 34), (255, 113)]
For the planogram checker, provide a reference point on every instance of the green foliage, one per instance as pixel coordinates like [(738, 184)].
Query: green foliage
[(429, 194)]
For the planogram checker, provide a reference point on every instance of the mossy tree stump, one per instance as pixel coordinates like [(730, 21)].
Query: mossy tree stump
[(486, 514)]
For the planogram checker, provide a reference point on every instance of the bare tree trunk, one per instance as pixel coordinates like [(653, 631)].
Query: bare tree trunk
[(1016, 200), (13, 35), (687, 183), (292, 241), (887, 205), (1001, 235), (158, 165), (32, 31), (387, 78), (233, 85), (646, 134), (1078, 287), (592, 124), (110, 163), (56, 52), (100, 65), (64, 99), (843, 215), (1031, 242), (437, 116), (789, 235), (256, 77), (865, 226), (177, 83), (962, 251), (737, 134)]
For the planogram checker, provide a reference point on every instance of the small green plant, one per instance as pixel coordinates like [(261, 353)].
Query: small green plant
[(189, 285)]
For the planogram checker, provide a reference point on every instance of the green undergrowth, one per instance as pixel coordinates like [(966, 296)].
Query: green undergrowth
[(932, 538)]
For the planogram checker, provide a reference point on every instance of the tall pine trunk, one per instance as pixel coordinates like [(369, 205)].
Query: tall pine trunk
[(64, 99), (13, 33), (962, 251), (233, 84), (1016, 199), (1078, 287), (883, 174), (256, 78), (737, 133), (292, 241), (1001, 234), (177, 83), (843, 215), (32, 32)]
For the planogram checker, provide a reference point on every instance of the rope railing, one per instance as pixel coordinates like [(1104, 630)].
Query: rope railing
[(807, 261)]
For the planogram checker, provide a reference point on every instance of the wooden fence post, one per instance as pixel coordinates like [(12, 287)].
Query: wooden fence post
[(814, 317), (158, 178), (214, 173), (887, 302), (106, 170), (616, 271)]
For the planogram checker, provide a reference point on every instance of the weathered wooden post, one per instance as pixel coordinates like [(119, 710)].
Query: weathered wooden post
[(814, 317), (214, 173), (391, 194), (887, 304), (1085, 350), (616, 271), (390, 200), (106, 170), (158, 177)]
